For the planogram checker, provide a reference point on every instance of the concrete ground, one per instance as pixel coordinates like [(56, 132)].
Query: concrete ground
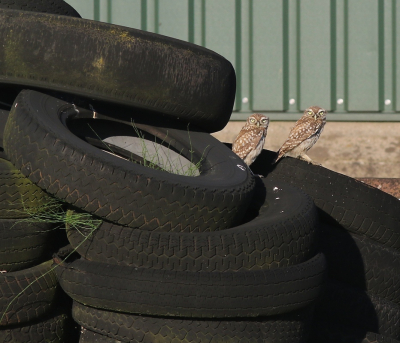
[(356, 149)]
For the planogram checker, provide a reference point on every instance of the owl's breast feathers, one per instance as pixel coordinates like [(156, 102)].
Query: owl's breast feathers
[(248, 140)]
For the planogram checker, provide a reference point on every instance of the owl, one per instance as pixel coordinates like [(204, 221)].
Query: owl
[(250, 141), (304, 134)]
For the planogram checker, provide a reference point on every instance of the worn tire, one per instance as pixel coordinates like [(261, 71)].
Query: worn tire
[(34, 301), (328, 332), (283, 231), (121, 191), (361, 262), (55, 327), (350, 307), (123, 66), (18, 193), (355, 206), (88, 336), (121, 327), (60, 7), (23, 245), (192, 294), (3, 120)]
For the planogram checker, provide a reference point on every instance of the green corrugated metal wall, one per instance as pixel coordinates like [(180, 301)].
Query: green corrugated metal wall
[(288, 54)]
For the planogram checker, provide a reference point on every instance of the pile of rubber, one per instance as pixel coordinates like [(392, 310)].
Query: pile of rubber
[(360, 237), (215, 256)]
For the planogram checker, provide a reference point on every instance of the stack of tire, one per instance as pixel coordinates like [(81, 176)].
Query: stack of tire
[(31, 305), (361, 241), (32, 309), (221, 256)]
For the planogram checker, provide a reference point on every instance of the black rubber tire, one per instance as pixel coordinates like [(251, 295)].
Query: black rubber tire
[(23, 245), (355, 206), (121, 327), (124, 66), (34, 301), (361, 262), (45, 6), (17, 193), (284, 232), (59, 7), (118, 190), (192, 294), (53, 328), (88, 336), (328, 332), (353, 308), (3, 120)]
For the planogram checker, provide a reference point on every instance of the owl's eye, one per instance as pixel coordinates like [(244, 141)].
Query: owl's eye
[(252, 120), (310, 112), (264, 120), (321, 112)]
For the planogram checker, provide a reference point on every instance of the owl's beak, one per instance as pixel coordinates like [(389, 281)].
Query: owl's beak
[(315, 116), (258, 123)]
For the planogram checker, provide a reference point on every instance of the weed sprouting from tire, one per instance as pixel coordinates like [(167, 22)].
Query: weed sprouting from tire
[(161, 157), (155, 160), (53, 212)]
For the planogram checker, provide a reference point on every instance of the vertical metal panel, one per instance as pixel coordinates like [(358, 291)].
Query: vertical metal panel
[(339, 57), (363, 74), (387, 86), (220, 30), (292, 55), (243, 32), (220, 33), (396, 52), (198, 21), (125, 12), (173, 19), (314, 54), (288, 54), (105, 13), (268, 69)]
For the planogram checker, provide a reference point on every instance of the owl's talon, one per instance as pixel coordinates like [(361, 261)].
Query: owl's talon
[(316, 164)]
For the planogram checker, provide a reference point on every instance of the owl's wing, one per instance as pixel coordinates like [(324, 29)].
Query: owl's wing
[(303, 129), (247, 142)]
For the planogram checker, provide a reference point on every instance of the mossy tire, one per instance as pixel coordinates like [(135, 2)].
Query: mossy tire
[(105, 63), (18, 195)]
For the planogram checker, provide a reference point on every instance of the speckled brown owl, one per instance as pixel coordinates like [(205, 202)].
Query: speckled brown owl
[(250, 141), (304, 134)]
